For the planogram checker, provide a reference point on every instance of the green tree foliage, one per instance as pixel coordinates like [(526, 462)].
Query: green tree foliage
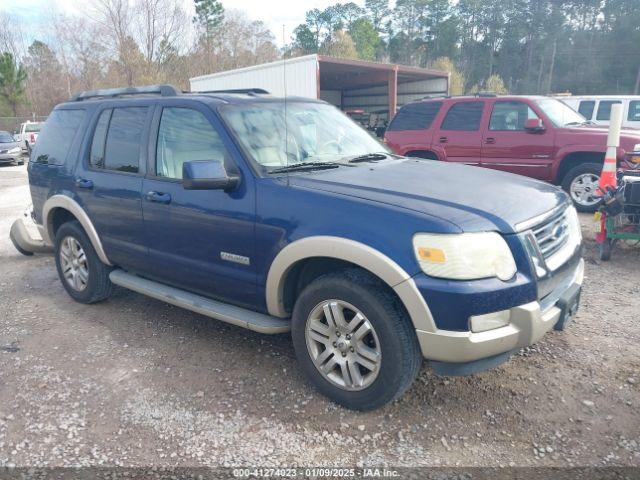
[(12, 82), (533, 46), (209, 16), (365, 37)]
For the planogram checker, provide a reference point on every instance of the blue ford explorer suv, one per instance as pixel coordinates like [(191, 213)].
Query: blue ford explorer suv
[(286, 216)]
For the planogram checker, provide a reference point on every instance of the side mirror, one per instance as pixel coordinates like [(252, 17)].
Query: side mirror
[(534, 125), (207, 175)]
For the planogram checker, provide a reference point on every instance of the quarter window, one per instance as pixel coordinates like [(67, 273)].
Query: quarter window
[(634, 111), (122, 146), (604, 109), (57, 136), (463, 116), (586, 108), (415, 116), (510, 116), (185, 135)]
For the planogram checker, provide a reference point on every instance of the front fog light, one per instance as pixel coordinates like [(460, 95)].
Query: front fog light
[(489, 321)]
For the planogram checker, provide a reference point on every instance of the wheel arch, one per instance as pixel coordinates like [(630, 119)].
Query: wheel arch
[(573, 159), (349, 252), (59, 208)]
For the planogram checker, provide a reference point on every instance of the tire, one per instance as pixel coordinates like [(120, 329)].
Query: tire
[(604, 250), (582, 170), (399, 359), (97, 285)]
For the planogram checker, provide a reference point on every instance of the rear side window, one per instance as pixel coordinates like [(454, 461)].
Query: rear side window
[(604, 109), (586, 108), (96, 159), (634, 111), (56, 137), (415, 116), (122, 146), (463, 116)]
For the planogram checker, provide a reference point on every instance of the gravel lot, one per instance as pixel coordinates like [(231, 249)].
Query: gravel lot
[(135, 382)]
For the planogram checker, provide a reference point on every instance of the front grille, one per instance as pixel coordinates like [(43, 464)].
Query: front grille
[(553, 234)]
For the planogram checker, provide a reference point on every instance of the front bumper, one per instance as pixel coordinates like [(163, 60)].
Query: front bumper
[(529, 323), (10, 158)]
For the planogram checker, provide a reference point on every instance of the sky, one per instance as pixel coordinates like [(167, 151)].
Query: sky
[(274, 13)]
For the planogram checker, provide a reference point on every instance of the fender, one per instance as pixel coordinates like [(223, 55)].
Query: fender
[(562, 153), (62, 201), (351, 251)]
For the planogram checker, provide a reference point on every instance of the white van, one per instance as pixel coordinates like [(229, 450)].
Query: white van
[(597, 108)]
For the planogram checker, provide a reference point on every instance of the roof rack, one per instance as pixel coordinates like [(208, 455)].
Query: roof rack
[(163, 90), (486, 94), (248, 91), (436, 95)]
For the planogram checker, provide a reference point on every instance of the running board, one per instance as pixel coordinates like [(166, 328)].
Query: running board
[(241, 317)]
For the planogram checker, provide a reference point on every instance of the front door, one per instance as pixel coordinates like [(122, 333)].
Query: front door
[(200, 240), (508, 146), (459, 134), (109, 183)]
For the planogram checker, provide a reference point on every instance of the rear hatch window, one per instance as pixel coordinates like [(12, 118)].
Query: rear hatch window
[(415, 116)]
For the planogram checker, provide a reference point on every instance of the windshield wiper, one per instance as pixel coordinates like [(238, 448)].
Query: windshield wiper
[(369, 157), (305, 166)]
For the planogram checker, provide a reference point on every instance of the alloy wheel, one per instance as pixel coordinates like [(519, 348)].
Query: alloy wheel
[(343, 345), (73, 261), (584, 189)]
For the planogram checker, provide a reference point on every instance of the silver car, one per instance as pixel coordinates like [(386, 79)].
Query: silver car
[(10, 150)]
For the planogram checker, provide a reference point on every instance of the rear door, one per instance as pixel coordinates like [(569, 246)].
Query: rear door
[(459, 135), (508, 146), (200, 240), (109, 182)]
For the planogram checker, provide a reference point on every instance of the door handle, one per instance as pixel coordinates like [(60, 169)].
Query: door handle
[(158, 197), (490, 140), (444, 139), (83, 183)]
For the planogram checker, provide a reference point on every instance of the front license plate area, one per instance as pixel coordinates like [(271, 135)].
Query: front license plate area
[(568, 304)]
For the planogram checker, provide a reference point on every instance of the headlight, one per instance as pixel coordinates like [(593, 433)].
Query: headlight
[(464, 256), (573, 221), (15, 150)]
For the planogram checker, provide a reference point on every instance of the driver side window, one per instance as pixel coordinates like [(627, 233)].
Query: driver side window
[(185, 135), (510, 116)]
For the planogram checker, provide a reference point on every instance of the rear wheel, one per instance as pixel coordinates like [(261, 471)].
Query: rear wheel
[(83, 275), (354, 341), (581, 183), (604, 250)]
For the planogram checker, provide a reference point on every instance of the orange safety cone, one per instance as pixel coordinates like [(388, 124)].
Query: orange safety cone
[(608, 179)]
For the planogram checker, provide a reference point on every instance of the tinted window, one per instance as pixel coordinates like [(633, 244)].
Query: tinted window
[(32, 127), (510, 116), (463, 116), (57, 136), (122, 148), (185, 135), (415, 116), (586, 108), (96, 158), (634, 111), (604, 109)]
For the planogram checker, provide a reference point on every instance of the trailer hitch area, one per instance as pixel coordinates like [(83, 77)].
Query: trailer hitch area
[(24, 242)]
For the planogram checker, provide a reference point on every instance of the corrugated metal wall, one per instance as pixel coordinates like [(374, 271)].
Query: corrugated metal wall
[(301, 75), (376, 98)]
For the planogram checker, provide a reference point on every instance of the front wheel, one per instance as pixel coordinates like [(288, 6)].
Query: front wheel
[(581, 183), (83, 275), (354, 341)]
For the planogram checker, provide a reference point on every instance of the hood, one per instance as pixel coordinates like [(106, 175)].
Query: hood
[(9, 145), (595, 135), (472, 198)]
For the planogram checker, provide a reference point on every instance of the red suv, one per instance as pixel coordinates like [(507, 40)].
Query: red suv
[(539, 137)]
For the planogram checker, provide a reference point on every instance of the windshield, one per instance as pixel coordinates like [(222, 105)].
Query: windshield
[(559, 113), (6, 137), (32, 127), (315, 132)]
